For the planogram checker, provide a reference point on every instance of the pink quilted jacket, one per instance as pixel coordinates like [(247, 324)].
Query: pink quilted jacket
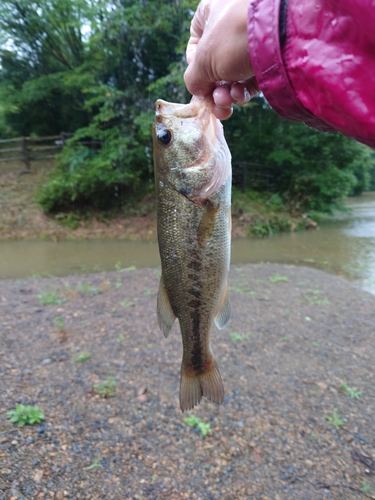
[(314, 61)]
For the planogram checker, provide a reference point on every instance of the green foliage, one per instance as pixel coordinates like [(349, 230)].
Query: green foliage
[(120, 78), (126, 303), (237, 337), (335, 419), (194, 421), (352, 392), (311, 171), (50, 297), (277, 278), (87, 289), (84, 356), (26, 414), (96, 463), (106, 389), (94, 68), (59, 323)]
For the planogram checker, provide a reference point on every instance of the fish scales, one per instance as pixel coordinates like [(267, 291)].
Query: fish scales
[(193, 186)]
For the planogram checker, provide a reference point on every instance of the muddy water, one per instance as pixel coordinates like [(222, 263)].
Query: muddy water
[(345, 244)]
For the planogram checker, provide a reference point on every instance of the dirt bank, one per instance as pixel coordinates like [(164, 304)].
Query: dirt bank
[(22, 218), (288, 429)]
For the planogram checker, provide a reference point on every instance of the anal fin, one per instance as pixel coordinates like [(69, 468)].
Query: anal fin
[(224, 311), (166, 316)]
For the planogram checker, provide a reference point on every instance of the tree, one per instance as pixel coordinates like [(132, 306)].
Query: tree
[(44, 46), (312, 171)]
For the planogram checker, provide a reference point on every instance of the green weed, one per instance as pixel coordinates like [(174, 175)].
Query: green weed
[(126, 303), (96, 463), (194, 421), (84, 356), (118, 267), (129, 268), (26, 414), (237, 337), (87, 289), (365, 488), (59, 323), (122, 337), (106, 389), (352, 392), (312, 296), (277, 278), (335, 419), (50, 297)]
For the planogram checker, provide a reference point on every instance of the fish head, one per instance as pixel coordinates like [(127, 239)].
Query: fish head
[(190, 152)]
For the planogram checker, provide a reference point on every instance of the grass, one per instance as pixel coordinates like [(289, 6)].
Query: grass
[(126, 303), (194, 421), (365, 488), (122, 337), (335, 419), (50, 297), (84, 356), (241, 290), (237, 337), (118, 267), (352, 392), (26, 415), (96, 463), (87, 289), (277, 278), (106, 389), (312, 296), (59, 323)]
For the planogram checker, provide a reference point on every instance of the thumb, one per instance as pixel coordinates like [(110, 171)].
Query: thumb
[(198, 78)]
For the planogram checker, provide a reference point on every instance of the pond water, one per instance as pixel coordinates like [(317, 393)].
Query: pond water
[(345, 244)]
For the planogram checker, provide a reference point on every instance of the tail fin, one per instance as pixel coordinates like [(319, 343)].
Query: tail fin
[(193, 387)]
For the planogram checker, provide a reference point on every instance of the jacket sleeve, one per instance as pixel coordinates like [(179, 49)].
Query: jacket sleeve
[(318, 66)]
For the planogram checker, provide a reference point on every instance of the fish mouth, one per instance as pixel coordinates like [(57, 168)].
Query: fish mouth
[(201, 110), (191, 110)]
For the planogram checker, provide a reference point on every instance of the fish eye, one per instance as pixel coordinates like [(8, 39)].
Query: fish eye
[(164, 137)]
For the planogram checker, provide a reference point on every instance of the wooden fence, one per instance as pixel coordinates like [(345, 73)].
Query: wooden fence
[(28, 149), (256, 176)]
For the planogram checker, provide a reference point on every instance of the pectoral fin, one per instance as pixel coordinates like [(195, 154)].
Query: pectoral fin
[(224, 311), (166, 316), (207, 224)]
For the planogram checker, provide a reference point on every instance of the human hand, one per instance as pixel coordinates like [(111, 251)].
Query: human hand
[(218, 56)]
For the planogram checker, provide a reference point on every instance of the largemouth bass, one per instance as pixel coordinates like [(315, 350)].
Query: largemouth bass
[(193, 186)]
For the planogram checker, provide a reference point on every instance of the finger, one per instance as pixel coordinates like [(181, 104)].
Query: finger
[(252, 86), (197, 80), (222, 97), (196, 32), (239, 93), (222, 113)]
